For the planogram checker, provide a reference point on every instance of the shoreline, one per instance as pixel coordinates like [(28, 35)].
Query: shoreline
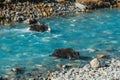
[(108, 69)]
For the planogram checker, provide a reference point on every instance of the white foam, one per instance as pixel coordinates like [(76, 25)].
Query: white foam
[(25, 30), (56, 24), (25, 53), (22, 35), (107, 32), (91, 49), (72, 25), (46, 39), (39, 65), (18, 55), (108, 16), (73, 20), (114, 42), (110, 37), (55, 36), (42, 55), (49, 29), (65, 41)]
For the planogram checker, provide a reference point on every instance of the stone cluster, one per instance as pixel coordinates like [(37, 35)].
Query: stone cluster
[(16, 12), (20, 12)]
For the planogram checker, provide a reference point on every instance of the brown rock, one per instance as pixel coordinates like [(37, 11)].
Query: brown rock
[(101, 56), (61, 1)]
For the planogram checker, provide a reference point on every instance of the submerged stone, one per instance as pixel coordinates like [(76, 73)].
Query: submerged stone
[(18, 70)]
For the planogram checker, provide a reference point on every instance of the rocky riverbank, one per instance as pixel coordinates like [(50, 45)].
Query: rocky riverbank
[(110, 70), (19, 12), (105, 70)]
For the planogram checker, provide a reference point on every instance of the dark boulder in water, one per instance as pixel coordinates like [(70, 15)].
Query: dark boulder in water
[(39, 28), (66, 53)]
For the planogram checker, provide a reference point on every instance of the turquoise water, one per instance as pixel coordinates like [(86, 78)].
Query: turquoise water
[(86, 32)]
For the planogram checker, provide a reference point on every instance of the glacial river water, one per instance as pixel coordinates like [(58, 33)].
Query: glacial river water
[(92, 33)]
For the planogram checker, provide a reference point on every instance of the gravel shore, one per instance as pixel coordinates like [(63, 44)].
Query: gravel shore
[(107, 70)]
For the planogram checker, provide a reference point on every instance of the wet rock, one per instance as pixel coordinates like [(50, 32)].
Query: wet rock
[(58, 66), (39, 28), (66, 53), (101, 56), (33, 21), (44, 14), (18, 70), (118, 3), (7, 1), (92, 50), (61, 1), (95, 63), (87, 66), (80, 6), (31, 79), (67, 66)]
